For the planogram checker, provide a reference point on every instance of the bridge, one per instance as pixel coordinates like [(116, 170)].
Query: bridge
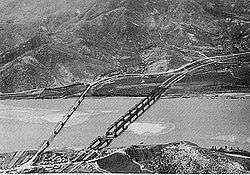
[(120, 125)]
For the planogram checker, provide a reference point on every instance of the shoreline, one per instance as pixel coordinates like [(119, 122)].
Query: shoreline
[(222, 95)]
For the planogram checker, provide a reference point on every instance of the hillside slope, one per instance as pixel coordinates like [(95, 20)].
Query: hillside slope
[(85, 39), (182, 158)]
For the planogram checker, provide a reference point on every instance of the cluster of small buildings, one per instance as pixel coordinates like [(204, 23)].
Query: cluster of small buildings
[(231, 150), (226, 148)]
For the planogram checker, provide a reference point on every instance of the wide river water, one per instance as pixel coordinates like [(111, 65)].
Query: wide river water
[(24, 124)]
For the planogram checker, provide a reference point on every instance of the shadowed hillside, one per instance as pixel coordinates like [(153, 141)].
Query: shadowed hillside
[(78, 41), (181, 158)]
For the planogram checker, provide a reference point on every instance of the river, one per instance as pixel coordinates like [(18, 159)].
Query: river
[(24, 124)]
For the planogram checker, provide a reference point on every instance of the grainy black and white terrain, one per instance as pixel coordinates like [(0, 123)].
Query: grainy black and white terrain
[(56, 43), (52, 49), (173, 158)]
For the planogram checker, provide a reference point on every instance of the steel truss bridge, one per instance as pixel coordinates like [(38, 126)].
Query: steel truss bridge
[(121, 124)]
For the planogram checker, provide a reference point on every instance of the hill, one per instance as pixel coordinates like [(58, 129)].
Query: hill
[(182, 158), (78, 41)]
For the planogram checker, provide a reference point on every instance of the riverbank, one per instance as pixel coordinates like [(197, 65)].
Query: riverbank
[(180, 157), (198, 84)]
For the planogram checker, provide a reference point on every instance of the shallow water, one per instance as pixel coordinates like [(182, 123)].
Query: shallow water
[(220, 122)]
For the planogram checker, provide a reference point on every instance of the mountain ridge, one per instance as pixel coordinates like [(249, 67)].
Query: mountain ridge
[(132, 37)]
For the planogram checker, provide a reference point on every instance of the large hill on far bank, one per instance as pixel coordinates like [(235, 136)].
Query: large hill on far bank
[(77, 41)]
